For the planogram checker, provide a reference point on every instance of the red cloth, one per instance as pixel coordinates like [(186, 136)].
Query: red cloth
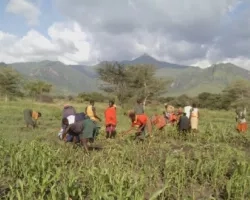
[(140, 120), (159, 121), (172, 117), (242, 127), (110, 116)]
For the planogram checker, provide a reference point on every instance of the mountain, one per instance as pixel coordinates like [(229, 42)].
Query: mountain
[(73, 79), (147, 59), (65, 78), (212, 79)]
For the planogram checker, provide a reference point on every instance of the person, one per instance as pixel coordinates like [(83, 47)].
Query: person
[(90, 111), (80, 116), (73, 130), (68, 110), (138, 109), (169, 114), (110, 120), (71, 119), (187, 109), (179, 113), (159, 121), (241, 119), (89, 132), (31, 117), (183, 124), (194, 118), (141, 122)]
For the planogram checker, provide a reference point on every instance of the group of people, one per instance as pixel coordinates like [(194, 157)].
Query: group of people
[(185, 119), (84, 127)]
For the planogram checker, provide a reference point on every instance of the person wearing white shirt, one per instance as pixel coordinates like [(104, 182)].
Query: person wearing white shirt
[(187, 110)]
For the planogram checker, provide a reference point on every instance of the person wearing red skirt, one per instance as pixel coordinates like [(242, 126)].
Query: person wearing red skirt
[(241, 119)]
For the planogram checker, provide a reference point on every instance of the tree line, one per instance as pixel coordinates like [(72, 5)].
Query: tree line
[(12, 85), (125, 84)]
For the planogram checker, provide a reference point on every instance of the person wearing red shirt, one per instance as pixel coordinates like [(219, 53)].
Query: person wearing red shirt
[(110, 120), (141, 122)]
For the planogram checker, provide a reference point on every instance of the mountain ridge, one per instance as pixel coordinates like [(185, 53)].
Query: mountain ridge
[(190, 80)]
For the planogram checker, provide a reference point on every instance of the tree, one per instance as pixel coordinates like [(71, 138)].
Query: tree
[(115, 80), (143, 82), (125, 82), (212, 101), (10, 83), (37, 88), (97, 97), (237, 93)]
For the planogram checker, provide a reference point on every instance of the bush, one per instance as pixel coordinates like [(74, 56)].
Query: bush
[(44, 99), (97, 97)]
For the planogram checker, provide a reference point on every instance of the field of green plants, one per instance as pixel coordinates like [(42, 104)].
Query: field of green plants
[(36, 165)]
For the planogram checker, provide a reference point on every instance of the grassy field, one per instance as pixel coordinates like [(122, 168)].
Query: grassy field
[(36, 165)]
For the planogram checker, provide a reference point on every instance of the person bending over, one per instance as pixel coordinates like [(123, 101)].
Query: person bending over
[(140, 122), (31, 117)]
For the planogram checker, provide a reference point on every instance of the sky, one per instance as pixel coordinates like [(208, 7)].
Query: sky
[(193, 32)]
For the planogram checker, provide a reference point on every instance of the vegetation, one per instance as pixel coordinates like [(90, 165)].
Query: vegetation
[(38, 90), (71, 80), (10, 82), (126, 82), (212, 165), (35, 164)]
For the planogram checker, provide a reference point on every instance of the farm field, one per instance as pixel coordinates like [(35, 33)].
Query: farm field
[(35, 164)]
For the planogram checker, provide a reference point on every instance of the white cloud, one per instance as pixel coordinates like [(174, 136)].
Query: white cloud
[(192, 33), (24, 8), (66, 43), (187, 32)]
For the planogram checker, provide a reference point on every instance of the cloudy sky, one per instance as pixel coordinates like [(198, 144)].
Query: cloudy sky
[(193, 32)]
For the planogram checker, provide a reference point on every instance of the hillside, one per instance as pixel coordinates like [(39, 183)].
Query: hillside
[(66, 79), (72, 79), (212, 79)]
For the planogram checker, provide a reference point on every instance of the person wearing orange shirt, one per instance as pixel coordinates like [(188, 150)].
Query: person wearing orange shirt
[(110, 120), (31, 117), (140, 122)]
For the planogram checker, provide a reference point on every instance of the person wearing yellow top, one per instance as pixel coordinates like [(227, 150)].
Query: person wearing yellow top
[(194, 118), (91, 112), (31, 117)]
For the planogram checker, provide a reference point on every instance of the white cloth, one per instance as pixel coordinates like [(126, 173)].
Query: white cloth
[(60, 133), (71, 119), (187, 110)]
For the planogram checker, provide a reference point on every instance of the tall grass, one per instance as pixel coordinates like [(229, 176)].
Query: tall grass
[(35, 165)]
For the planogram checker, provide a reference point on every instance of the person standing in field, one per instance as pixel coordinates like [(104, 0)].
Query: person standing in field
[(31, 117), (141, 123), (241, 119), (91, 111), (187, 109), (138, 109), (194, 118), (179, 114), (183, 124), (110, 120)]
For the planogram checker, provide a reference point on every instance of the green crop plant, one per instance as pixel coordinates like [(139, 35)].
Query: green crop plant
[(34, 164)]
